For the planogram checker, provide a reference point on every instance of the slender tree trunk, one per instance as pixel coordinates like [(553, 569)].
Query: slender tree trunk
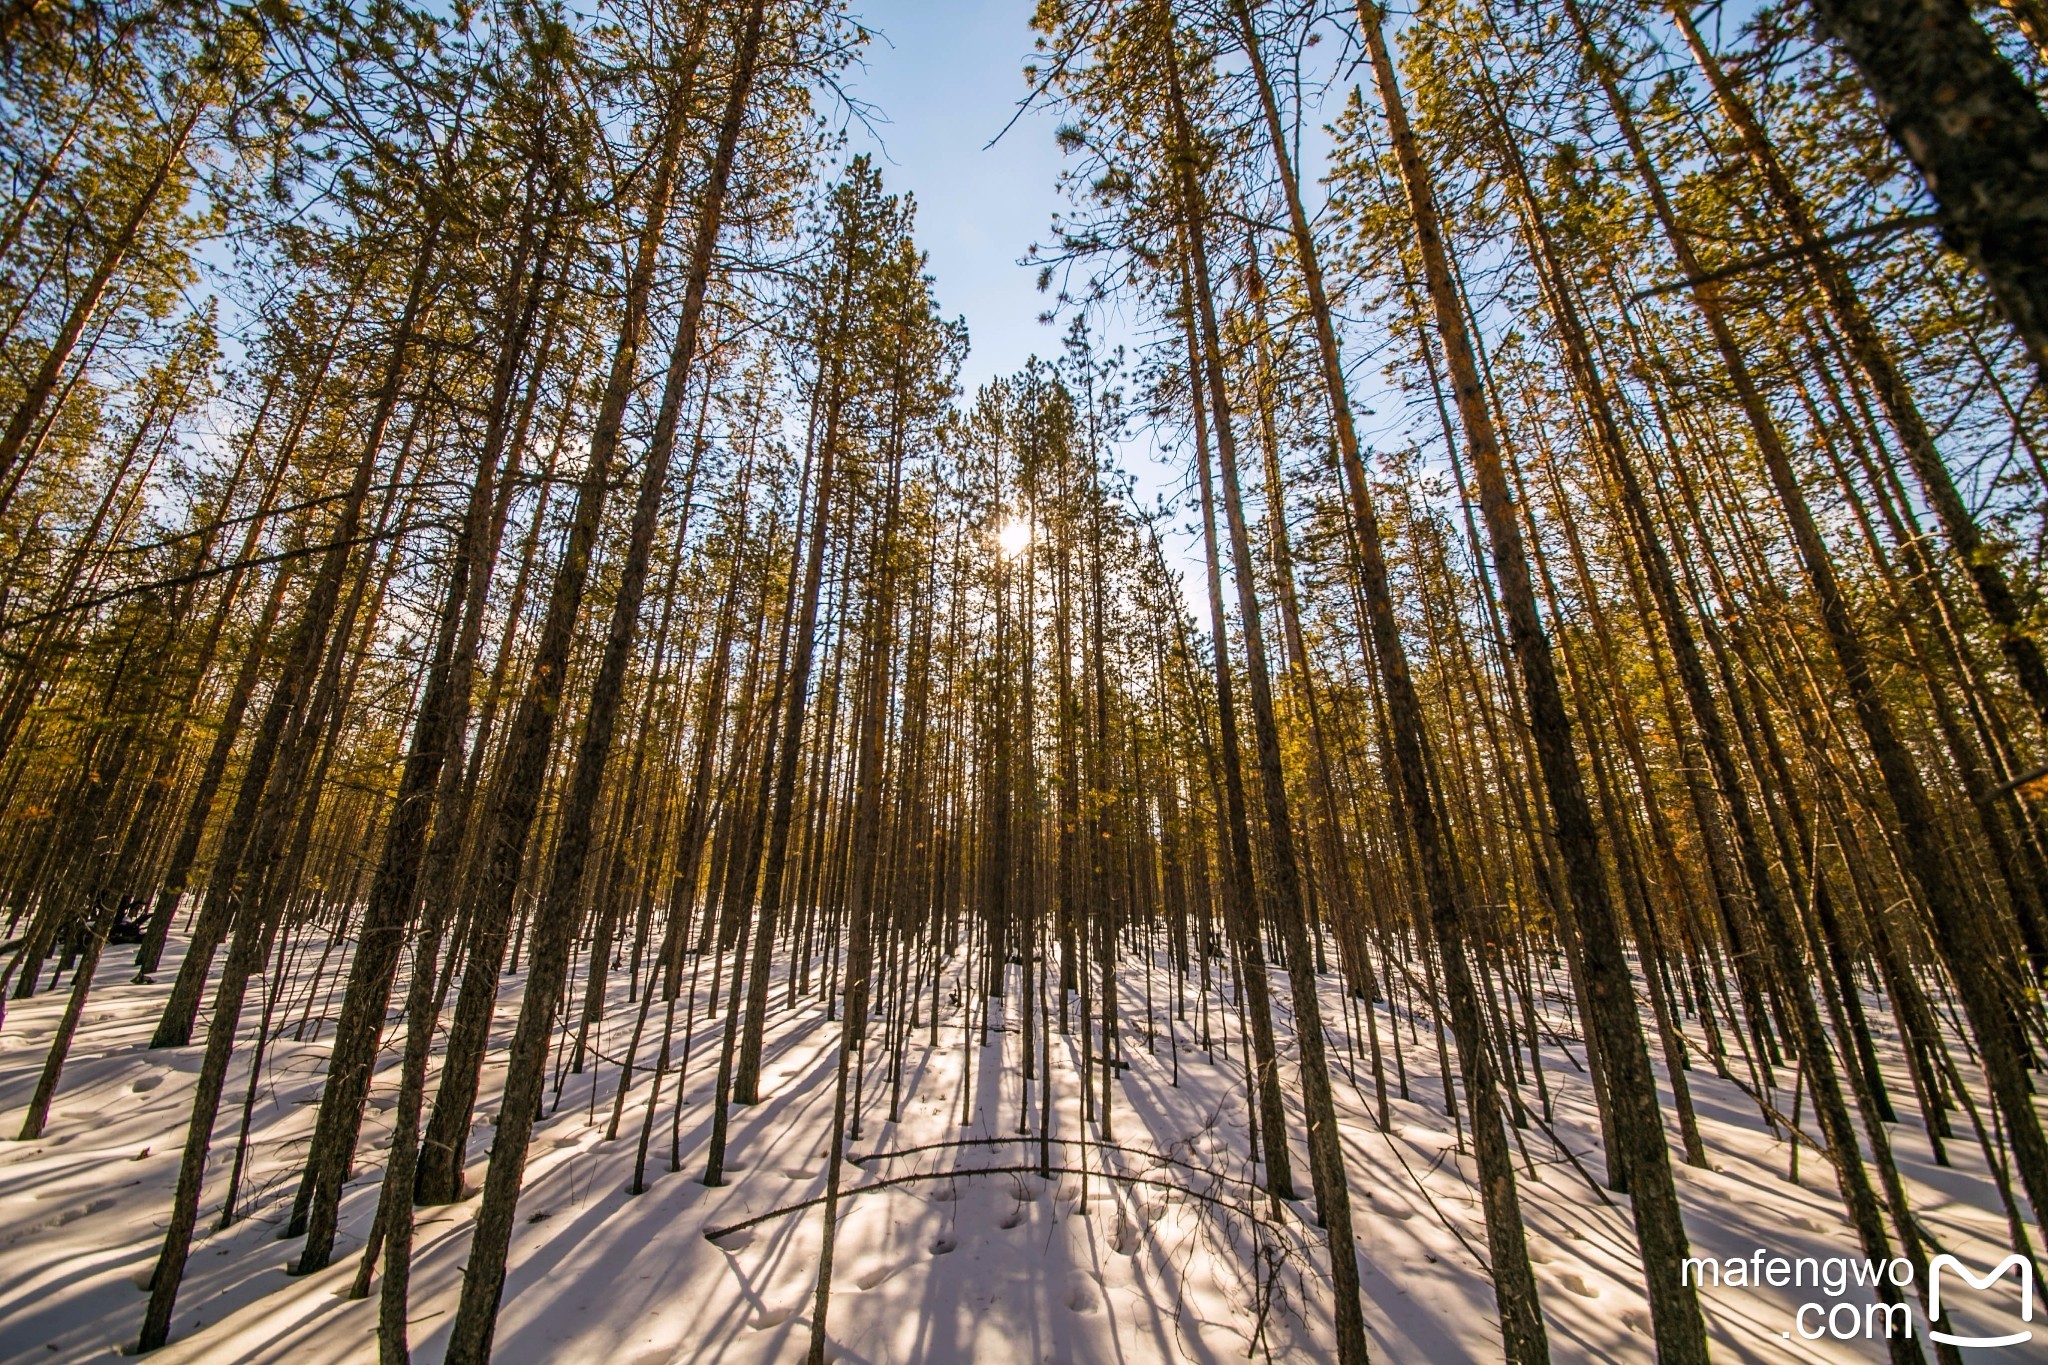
[(1326, 1160), (507, 824), (289, 710), (36, 396), (394, 885), (1610, 995), (484, 1276)]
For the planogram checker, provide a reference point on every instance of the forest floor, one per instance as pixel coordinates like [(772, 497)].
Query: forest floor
[(1163, 1263)]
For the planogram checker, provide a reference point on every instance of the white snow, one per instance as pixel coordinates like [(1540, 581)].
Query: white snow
[(960, 1266)]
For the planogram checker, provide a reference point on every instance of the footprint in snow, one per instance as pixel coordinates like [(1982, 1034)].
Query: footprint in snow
[(70, 1216), (1390, 1209), (942, 1245), (770, 1317), (1578, 1285), (144, 1084)]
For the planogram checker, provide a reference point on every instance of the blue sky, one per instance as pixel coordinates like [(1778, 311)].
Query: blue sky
[(942, 78), (946, 77)]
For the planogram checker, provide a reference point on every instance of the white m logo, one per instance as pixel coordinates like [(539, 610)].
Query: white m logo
[(1996, 1272)]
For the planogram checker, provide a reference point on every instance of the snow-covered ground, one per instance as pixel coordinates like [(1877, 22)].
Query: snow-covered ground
[(991, 1266)]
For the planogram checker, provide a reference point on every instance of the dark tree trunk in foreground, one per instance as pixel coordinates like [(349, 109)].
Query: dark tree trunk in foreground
[(1975, 133), (1610, 993)]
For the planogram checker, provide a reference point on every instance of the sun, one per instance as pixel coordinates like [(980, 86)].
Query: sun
[(1013, 537)]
